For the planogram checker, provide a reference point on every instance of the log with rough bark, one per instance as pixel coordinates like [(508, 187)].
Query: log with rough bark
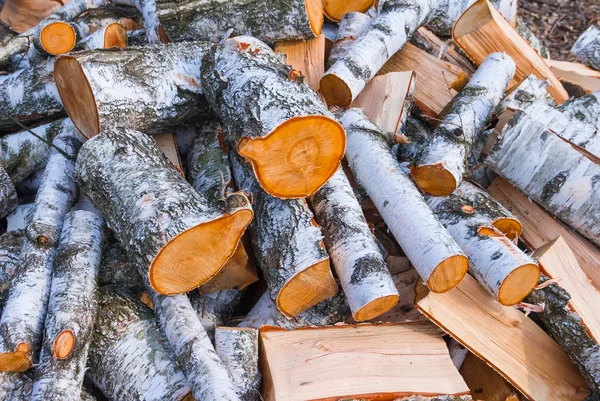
[(356, 257), (288, 246), (238, 349), (441, 263), (215, 309), (336, 10), (352, 25), (569, 302), (10, 252), (577, 78), (210, 20), (386, 361), (111, 35), (129, 17), (8, 194), (141, 196), (306, 56), (71, 309), (585, 109), (482, 30), (495, 261), (151, 89), (273, 118), (396, 22), (440, 168), (587, 47), (129, 358), (550, 170)]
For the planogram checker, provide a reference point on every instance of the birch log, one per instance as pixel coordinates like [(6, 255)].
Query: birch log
[(8, 194), (587, 47), (440, 263), (351, 27), (211, 19), (288, 246), (273, 118), (396, 22), (151, 89), (10, 250), (550, 171), (354, 251), (215, 309), (156, 214), (585, 109), (130, 359), (71, 309), (53, 37), (237, 347), (109, 36), (441, 166)]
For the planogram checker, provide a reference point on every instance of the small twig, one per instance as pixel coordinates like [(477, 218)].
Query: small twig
[(59, 150)]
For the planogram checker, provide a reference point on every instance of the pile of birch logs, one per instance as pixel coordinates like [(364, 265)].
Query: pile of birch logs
[(198, 203)]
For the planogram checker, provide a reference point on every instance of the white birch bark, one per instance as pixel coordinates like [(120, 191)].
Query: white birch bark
[(19, 219), (396, 22), (215, 309), (585, 109), (531, 90), (152, 27), (10, 250), (587, 47), (471, 109), (351, 27), (238, 349), (399, 202)]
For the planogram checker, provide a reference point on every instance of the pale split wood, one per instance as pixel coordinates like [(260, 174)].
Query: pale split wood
[(577, 74), (426, 40), (307, 57), (168, 146)]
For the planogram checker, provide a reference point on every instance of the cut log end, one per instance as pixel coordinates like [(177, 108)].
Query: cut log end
[(189, 397), (58, 38), (314, 10), (297, 157), (307, 288), (63, 344), (115, 35), (376, 308), (196, 255), (336, 9), (448, 274), (335, 90), (434, 179), (77, 96), (17, 361), (509, 226), (518, 284)]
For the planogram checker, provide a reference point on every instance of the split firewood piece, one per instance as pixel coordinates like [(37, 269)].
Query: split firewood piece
[(388, 33), (575, 77), (165, 95), (115, 268), (384, 361), (441, 263), (337, 10), (495, 261), (129, 358), (238, 349), (427, 41), (305, 56), (8, 194), (440, 168), (71, 308), (354, 251), (482, 30), (352, 25), (295, 144), (168, 146), (570, 307), (550, 170), (141, 195), (506, 339), (210, 20), (587, 47), (58, 191), (485, 383), (111, 35), (215, 309), (585, 109), (297, 273), (10, 249)]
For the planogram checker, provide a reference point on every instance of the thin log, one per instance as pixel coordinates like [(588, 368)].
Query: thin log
[(352, 25), (215, 309), (427, 41), (111, 35), (52, 37), (587, 47), (95, 18)]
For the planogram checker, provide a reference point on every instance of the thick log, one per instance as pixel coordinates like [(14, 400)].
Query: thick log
[(336, 10), (587, 47), (356, 257), (129, 358), (156, 214), (71, 309), (238, 349), (215, 309), (440, 263), (352, 25), (440, 168), (585, 109), (211, 20), (396, 22), (151, 89), (495, 261), (8, 194), (111, 35), (288, 246), (273, 118)]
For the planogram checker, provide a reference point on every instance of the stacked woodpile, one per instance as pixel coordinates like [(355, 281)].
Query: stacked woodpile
[(296, 200)]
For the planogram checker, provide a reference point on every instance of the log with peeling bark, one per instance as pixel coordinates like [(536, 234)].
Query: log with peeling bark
[(336, 10), (356, 257), (151, 89), (440, 168), (352, 25), (587, 47), (288, 246), (396, 22), (71, 309), (141, 196), (111, 35), (273, 118), (495, 261), (441, 263), (585, 109), (129, 358), (238, 349), (215, 309), (210, 20)]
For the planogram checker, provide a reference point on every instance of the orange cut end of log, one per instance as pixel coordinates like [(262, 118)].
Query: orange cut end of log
[(518, 284), (508, 226), (196, 255), (297, 157), (129, 24), (58, 38), (64, 344), (17, 361), (376, 308), (307, 288), (448, 273), (314, 10), (115, 35), (335, 90), (434, 179), (335, 9), (189, 397)]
